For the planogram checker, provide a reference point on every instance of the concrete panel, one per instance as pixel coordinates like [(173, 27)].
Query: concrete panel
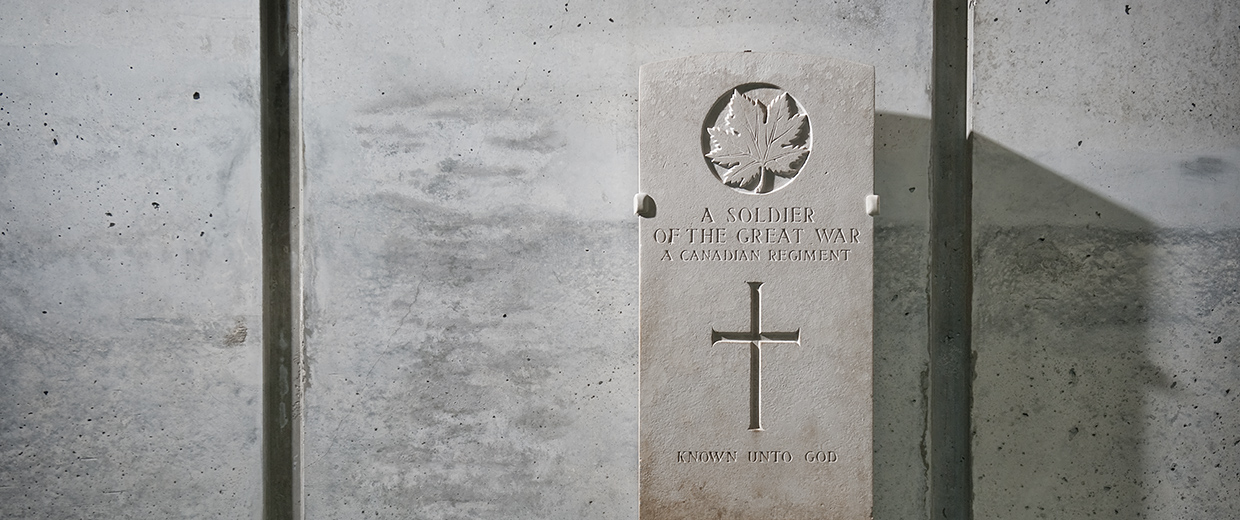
[(1137, 102), (129, 260), (471, 252), (1107, 174)]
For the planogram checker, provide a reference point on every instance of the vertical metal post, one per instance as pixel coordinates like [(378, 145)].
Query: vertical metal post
[(951, 266), (281, 188)]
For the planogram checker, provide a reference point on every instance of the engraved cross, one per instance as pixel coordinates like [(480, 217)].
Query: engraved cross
[(755, 337)]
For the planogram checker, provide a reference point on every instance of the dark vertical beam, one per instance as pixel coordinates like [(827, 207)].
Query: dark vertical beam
[(951, 266), (281, 170)]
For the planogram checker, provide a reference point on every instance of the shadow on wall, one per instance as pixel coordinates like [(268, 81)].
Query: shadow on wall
[(1061, 332), (901, 158)]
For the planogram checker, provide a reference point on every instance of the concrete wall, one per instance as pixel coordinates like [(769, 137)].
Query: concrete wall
[(471, 267), (1107, 238), (129, 260), (471, 288)]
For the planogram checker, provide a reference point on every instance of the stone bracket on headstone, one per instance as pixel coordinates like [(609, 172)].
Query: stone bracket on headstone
[(756, 287)]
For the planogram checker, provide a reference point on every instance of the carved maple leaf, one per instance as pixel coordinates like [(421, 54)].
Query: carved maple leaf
[(756, 141)]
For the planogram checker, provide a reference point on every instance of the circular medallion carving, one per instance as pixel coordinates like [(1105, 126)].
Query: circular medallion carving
[(756, 138)]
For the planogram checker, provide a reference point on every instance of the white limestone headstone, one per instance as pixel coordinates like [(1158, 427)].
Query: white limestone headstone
[(756, 287)]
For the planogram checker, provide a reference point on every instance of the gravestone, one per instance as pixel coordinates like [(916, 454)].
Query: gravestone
[(756, 173)]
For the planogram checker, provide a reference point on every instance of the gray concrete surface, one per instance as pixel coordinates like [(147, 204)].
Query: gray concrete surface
[(129, 248), (471, 256), (471, 278), (1107, 177)]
